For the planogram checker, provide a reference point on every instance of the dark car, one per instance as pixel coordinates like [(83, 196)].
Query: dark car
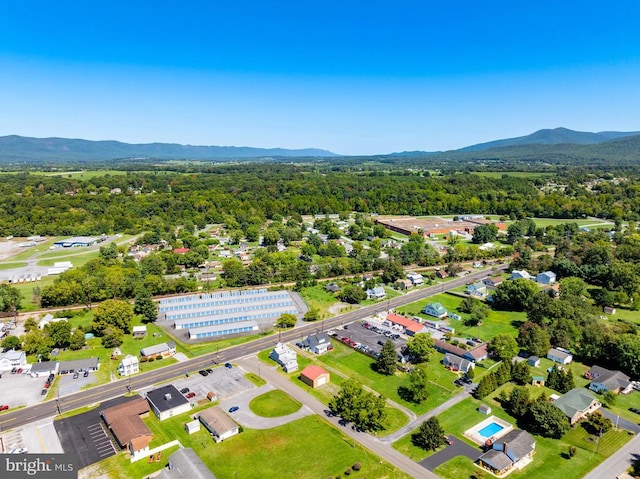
[(634, 409), (202, 372), (86, 374), (43, 392), (76, 375), (233, 408), (14, 370), (184, 390), (466, 380), (209, 370), (228, 365), (381, 342)]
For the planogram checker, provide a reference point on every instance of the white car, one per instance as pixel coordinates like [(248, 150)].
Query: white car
[(19, 450)]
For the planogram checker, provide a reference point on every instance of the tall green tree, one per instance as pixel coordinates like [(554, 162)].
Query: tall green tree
[(112, 313), (503, 347), (430, 435), (10, 298), (145, 306), (420, 347), (386, 362), (418, 384), (547, 420)]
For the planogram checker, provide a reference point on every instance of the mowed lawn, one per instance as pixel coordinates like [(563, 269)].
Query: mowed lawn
[(308, 448), (359, 366), (498, 322), (550, 460), (274, 403)]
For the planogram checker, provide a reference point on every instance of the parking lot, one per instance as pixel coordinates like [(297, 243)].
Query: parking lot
[(86, 435), (370, 335), (68, 385), (222, 381), (20, 390)]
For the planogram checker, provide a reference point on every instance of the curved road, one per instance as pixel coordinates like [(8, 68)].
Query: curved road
[(99, 394)]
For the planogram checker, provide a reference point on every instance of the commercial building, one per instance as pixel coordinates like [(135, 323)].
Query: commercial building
[(185, 464), (129, 430), (75, 242), (433, 225), (167, 401), (218, 423)]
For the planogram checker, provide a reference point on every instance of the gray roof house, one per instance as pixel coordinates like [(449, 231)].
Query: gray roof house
[(560, 356), (478, 289), (318, 343), (436, 310), (167, 401), (185, 464), (577, 404), (509, 451), (604, 380), (285, 357), (376, 293), (165, 349), (78, 365), (457, 363), (520, 274), (548, 277)]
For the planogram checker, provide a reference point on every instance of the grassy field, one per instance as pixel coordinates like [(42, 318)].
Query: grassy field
[(12, 264), (39, 248), (275, 403), (497, 322), (317, 297), (359, 366), (82, 175), (283, 452), (544, 222), (513, 174)]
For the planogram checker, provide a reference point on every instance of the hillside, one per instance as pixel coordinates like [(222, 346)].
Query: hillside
[(25, 149), (555, 136)]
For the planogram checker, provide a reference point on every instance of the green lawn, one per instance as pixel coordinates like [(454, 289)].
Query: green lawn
[(544, 222), (12, 264), (26, 290), (497, 322), (317, 297), (38, 248), (622, 405), (76, 260), (282, 452), (359, 366), (549, 461), (274, 403)]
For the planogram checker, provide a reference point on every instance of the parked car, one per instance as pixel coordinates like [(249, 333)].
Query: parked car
[(76, 375), (209, 370), (19, 371), (228, 365), (43, 392), (380, 342), (448, 440), (14, 370), (634, 409), (190, 395), (466, 380), (202, 372), (184, 390), (19, 450), (4, 408), (86, 374), (233, 408)]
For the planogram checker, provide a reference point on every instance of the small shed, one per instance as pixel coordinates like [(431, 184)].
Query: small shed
[(484, 409), (609, 310), (211, 396), (314, 376), (139, 332), (537, 380), (192, 426)]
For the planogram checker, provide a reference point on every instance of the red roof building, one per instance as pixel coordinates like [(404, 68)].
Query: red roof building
[(181, 250), (314, 376), (410, 326)]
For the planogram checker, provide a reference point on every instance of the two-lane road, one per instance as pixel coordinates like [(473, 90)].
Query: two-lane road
[(99, 394)]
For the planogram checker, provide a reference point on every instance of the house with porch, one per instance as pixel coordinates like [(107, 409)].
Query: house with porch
[(577, 404), (479, 290), (603, 380), (285, 357), (436, 310), (513, 450)]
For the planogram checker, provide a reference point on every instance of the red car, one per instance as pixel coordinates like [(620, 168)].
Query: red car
[(4, 408), (448, 440), (190, 395)]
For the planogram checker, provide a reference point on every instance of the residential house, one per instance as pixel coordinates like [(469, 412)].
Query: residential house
[(285, 357), (219, 424), (436, 310), (560, 356), (79, 365), (520, 274), (409, 326), (318, 343), (478, 289), (552, 290), (456, 363), (442, 274), (167, 401), (415, 278), (332, 288), (403, 284), (376, 293), (514, 449), (493, 282), (603, 380), (12, 359), (129, 365), (548, 277), (577, 404), (44, 368), (533, 361), (185, 464), (474, 355), (479, 353), (48, 319), (314, 376), (162, 349)]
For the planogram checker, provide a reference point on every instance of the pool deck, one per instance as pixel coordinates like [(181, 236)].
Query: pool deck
[(474, 435)]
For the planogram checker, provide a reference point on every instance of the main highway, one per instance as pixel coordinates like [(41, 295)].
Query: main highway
[(113, 389)]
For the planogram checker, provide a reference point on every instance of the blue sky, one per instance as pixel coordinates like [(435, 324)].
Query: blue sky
[(352, 77)]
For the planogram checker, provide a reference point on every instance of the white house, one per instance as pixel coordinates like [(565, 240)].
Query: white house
[(560, 356), (129, 365), (520, 274), (478, 289), (12, 359), (415, 278), (48, 319), (167, 401), (376, 293), (318, 343), (218, 423), (285, 357)]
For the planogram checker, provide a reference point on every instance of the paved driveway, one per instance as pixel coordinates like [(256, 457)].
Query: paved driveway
[(622, 423), (458, 448)]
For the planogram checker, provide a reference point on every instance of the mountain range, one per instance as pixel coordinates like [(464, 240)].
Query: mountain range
[(547, 143)]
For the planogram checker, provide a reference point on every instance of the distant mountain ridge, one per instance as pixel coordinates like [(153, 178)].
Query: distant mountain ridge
[(21, 148), (556, 136)]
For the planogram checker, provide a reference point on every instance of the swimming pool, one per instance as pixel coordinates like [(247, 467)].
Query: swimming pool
[(490, 430)]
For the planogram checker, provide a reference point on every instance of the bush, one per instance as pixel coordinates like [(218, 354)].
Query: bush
[(150, 359), (357, 466), (144, 359), (158, 358), (347, 472)]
